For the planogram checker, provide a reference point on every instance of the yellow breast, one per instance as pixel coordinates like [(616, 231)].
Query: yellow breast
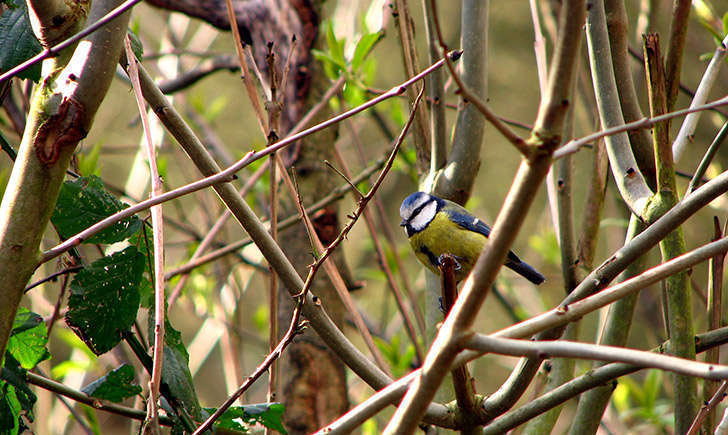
[(442, 236)]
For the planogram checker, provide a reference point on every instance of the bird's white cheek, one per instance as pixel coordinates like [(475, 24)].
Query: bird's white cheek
[(421, 219)]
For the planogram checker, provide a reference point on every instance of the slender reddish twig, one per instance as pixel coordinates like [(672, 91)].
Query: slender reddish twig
[(158, 243)]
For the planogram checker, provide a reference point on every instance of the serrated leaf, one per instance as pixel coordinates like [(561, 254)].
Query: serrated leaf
[(363, 47), (268, 414), (28, 339), (115, 386), (84, 202), (18, 43), (105, 298)]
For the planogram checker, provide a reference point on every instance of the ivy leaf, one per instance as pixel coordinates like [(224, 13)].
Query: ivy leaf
[(105, 299), (115, 386), (17, 42), (28, 339), (84, 202), (268, 414)]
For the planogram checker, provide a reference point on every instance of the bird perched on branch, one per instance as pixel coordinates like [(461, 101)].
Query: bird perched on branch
[(436, 226)]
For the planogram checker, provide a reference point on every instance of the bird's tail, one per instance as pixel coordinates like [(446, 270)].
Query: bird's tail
[(526, 271)]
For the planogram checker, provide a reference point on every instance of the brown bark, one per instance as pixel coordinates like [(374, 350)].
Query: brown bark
[(312, 377)]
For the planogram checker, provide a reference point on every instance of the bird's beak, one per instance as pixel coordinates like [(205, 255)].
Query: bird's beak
[(403, 223)]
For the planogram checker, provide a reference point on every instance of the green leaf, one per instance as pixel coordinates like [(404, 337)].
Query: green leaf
[(336, 46), (268, 414), (16, 398), (353, 95), (115, 386), (146, 292), (28, 339), (84, 202), (18, 43), (332, 68), (175, 369), (363, 47), (105, 298), (25, 320)]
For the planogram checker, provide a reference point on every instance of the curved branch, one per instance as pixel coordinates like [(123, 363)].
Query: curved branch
[(630, 181)]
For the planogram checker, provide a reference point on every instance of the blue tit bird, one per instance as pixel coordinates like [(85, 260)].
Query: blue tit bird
[(436, 226)]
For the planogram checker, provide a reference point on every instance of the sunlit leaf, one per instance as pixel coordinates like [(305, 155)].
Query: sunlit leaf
[(28, 339), (237, 417), (84, 202), (16, 398), (363, 47)]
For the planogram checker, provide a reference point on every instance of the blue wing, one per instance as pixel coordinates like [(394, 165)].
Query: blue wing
[(469, 222), (465, 220)]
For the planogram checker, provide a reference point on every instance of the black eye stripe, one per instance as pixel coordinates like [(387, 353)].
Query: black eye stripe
[(419, 209)]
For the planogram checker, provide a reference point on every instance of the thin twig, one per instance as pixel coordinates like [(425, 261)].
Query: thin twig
[(158, 240), (389, 236), (572, 349), (57, 306), (574, 145), (337, 281), (369, 220), (707, 158), (93, 402), (335, 195), (229, 173), (719, 395), (294, 329), (247, 80), (210, 237), (355, 190), (56, 49), (714, 306), (462, 383), (509, 134), (54, 276)]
